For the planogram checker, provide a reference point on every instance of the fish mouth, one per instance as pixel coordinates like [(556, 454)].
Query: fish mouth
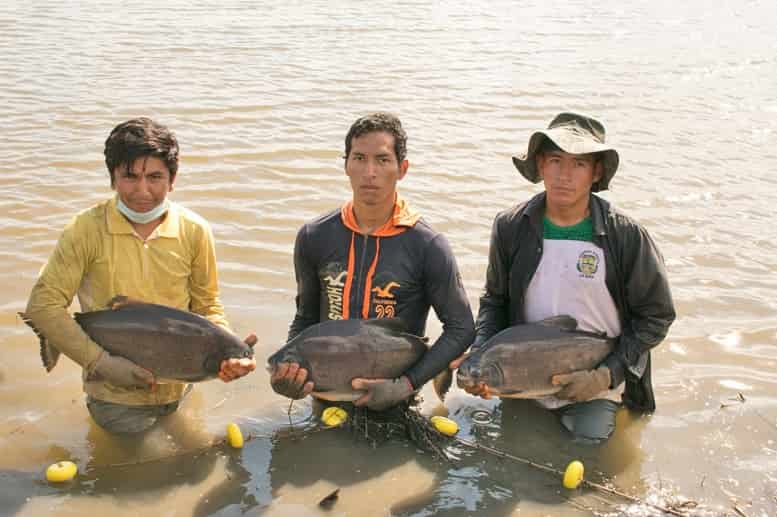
[(471, 375), (274, 360)]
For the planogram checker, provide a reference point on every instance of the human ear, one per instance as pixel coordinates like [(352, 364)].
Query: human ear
[(403, 168)]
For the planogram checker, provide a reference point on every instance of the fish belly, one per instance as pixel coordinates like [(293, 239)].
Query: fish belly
[(338, 396)]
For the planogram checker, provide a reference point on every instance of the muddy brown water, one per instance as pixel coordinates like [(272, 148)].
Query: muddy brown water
[(261, 96)]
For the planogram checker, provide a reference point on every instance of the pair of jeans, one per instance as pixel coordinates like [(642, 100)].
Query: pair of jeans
[(590, 422), (124, 419)]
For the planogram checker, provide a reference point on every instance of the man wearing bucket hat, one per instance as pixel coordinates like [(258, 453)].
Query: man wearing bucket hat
[(568, 251)]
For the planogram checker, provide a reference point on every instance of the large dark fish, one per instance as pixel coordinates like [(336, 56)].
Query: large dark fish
[(337, 351), (171, 343), (520, 361)]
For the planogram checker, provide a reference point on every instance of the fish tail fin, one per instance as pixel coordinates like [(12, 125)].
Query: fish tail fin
[(49, 354), (442, 383)]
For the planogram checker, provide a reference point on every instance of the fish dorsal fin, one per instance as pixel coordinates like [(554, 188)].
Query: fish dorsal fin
[(563, 322), (120, 301), (395, 324)]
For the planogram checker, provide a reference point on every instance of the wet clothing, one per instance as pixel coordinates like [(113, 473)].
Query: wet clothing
[(400, 270), (591, 422), (122, 418), (99, 256), (634, 275), (570, 280)]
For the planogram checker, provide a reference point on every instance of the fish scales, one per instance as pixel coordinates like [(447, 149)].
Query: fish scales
[(171, 343), (520, 361), (337, 351)]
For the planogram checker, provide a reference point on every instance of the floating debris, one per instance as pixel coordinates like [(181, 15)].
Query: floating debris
[(329, 501)]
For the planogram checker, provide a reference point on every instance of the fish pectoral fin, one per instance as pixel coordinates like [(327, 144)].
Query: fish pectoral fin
[(563, 322)]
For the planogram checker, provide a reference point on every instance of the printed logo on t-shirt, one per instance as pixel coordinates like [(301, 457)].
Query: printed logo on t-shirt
[(334, 284), (384, 301), (588, 264), (385, 292)]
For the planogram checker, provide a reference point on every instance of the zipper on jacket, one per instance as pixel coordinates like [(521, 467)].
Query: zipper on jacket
[(360, 289)]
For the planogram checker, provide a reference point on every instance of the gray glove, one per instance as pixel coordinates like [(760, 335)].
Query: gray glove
[(120, 372), (383, 393)]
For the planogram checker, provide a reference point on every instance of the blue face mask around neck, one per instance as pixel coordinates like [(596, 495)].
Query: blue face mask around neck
[(143, 217)]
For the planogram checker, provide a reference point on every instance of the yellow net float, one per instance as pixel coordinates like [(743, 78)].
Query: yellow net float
[(573, 475), (61, 471), (445, 425), (334, 416), (234, 435)]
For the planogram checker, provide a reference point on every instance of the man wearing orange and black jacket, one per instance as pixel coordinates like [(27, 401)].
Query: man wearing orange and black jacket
[(376, 258)]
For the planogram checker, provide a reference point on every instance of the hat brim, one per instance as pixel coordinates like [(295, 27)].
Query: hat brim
[(569, 143)]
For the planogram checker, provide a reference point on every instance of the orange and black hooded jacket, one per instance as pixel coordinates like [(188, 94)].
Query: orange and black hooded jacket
[(400, 270)]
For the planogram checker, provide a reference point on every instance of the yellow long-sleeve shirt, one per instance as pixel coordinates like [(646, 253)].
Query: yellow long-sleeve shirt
[(99, 256)]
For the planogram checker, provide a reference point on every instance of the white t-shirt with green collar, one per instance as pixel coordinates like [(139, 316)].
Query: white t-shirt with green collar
[(570, 280)]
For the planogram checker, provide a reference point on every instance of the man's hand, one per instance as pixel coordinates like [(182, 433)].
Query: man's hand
[(382, 393), (121, 372), (234, 368), (288, 379), (480, 389), (582, 385)]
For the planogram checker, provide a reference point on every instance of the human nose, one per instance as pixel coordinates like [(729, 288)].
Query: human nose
[(371, 168), (565, 170), (142, 184)]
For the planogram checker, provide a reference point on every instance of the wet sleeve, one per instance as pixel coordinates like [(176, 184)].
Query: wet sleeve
[(448, 298), (649, 306), (494, 303), (204, 281), (59, 280), (308, 297)]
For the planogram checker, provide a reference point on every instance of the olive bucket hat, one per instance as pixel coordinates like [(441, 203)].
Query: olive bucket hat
[(574, 134)]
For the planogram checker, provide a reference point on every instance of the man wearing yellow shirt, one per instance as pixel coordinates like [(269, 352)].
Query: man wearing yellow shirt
[(137, 244)]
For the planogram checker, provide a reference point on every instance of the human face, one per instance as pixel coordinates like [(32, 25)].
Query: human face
[(144, 185), (568, 178), (373, 169)]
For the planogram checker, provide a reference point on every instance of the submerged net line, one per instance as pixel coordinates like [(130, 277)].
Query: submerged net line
[(404, 424), (410, 424)]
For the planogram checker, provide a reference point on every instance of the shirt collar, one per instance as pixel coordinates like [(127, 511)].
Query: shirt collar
[(535, 211)]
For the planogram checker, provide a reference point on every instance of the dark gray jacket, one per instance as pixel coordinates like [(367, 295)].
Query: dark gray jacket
[(635, 277), (412, 272)]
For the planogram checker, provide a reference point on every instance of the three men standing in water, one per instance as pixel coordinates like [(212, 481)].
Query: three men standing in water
[(565, 251)]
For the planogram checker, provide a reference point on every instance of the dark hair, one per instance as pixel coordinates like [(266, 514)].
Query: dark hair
[(379, 122), (138, 138)]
